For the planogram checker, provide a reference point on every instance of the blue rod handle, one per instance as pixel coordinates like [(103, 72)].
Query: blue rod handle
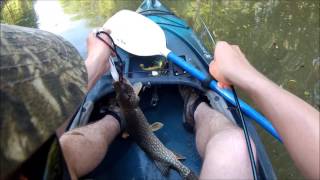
[(226, 94)]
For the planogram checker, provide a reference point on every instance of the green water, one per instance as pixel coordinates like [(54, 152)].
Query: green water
[(280, 38)]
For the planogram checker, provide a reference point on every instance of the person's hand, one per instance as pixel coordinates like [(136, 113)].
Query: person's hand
[(97, 60), (229, 65)]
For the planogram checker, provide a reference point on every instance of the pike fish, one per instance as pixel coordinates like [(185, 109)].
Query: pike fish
[(139, 129)]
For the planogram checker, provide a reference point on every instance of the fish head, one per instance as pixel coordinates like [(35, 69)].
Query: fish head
[(125, 94)]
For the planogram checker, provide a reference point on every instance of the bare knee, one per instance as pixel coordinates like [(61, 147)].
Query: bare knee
[(227, 149), (231, 140)]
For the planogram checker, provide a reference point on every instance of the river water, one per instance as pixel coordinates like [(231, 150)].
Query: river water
[(280, 38)]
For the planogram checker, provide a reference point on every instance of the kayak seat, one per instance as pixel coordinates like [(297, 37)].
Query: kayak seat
[(125, 160)]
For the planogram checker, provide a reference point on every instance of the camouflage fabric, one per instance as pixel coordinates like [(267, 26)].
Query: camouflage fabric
[(42, 82)]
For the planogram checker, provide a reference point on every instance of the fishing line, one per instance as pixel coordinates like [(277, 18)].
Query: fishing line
[(113, 47), (246, 134), (243, 122)]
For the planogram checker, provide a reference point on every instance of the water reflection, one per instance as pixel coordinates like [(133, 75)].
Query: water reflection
[(280, 38), (52, 18), (96, 12)]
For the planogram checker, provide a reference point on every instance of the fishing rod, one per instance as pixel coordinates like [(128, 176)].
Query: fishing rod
[(243, 122), (246, 134)]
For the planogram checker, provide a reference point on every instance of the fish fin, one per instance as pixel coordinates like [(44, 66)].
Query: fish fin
[(163, 167), (137, 87), (156, 126), (125, 135), (179, 156)]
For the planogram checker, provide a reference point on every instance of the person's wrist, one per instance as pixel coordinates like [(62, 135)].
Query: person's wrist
[(106, 42), (101, 57), (246, 78), (89, 72), (95, 70), (100, 49)]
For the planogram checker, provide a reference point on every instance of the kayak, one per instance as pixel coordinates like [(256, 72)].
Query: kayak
[(160, 101)]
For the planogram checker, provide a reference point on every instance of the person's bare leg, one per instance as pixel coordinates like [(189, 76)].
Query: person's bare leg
[(222, 146), (85, 147)]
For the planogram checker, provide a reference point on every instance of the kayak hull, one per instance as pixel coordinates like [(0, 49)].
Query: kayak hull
[(125, 160), (159, 100)]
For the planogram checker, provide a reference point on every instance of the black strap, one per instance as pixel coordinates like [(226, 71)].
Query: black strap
[(113, 47), (118, 118)]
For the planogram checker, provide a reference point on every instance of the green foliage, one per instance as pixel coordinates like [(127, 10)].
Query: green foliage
[(19, 12)]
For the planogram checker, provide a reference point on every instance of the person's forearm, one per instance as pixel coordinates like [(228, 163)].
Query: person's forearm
[(296, 121), (93, 76), (97, 61), (95, 71)]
